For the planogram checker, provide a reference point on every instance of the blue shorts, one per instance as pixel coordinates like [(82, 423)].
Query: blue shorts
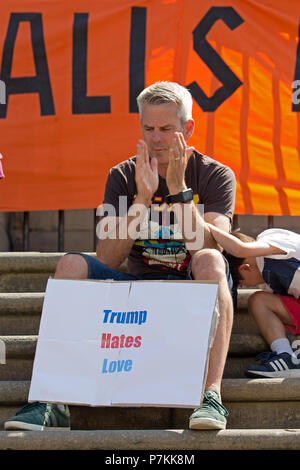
[(98, 270)]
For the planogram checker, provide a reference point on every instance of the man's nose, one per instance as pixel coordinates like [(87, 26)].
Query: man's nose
[(156, 136)]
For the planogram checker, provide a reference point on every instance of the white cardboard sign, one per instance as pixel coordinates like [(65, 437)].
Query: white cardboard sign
[(141, 343)]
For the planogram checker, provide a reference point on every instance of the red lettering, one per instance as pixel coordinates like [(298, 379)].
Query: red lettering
[(129, 341), (105, 342), (115, 342), (122, 338)]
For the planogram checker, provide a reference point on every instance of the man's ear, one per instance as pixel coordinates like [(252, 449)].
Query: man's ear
[(189, 128)]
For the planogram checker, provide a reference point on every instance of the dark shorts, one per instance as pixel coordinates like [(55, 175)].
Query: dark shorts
[(98, 270)]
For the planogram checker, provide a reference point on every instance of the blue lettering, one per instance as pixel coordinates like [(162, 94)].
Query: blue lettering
[(128, 365), (112, 366), (121, 317), (113, 315), (137, 317), (119, 366), (106, 312), (142, 317), (104, 368)]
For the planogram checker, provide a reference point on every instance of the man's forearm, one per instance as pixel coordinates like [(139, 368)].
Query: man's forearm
[(114, 244)]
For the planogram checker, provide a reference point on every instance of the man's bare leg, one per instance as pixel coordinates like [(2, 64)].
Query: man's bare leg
[(210, 265)]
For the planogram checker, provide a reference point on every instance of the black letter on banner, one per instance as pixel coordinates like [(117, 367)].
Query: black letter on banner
[(296, 83), (137, 55), (40, 83), (216, 64), (82, 104)]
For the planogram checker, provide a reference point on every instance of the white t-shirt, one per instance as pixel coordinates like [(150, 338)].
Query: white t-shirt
[(281, 272)]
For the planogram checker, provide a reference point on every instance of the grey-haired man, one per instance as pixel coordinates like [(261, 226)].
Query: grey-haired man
[(167, 173)]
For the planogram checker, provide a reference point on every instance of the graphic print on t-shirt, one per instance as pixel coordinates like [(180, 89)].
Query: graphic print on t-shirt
[(160, 239)]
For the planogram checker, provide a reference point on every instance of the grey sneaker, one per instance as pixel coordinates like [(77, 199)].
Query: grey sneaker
[(40, 416), (212, 414)]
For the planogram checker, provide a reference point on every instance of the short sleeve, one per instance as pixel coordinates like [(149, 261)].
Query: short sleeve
[(119, 190), (219, 195), (284, 240)]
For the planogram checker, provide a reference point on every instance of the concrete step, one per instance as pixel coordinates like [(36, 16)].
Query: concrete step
[(20, 313), (20, 351), (252, 404), (21, 368), (150, 440), (26, 271), (29, 271)]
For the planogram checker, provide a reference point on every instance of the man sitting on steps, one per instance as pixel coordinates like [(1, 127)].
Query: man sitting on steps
[(164, 171)]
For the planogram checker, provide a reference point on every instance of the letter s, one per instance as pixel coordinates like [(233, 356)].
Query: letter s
[(212, 59)]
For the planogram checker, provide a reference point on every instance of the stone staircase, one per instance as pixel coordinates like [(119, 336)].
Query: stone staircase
[(264, 413)]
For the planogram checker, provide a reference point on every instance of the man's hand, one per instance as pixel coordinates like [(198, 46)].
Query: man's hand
[(178, 158), (146, 174)]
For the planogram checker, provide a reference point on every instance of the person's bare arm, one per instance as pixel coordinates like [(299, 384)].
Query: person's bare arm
[(240, 249), (115, 244), (220, 221)]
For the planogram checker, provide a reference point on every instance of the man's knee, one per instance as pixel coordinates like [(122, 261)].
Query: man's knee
[(72, 266), (208, 264)]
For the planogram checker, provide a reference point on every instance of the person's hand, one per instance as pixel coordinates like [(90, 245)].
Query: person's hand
[(178, 158), (146, 174)]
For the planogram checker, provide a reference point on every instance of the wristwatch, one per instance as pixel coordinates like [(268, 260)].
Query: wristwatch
[(184, 196)]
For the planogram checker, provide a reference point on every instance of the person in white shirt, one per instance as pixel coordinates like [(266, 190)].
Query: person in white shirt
[(271, 262)]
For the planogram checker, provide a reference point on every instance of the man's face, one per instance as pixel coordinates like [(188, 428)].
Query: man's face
[(159, 123)]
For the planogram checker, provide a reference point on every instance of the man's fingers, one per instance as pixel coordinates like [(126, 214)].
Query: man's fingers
[(173, 156), (144, 151), (175, 151), (181, 141), (187, 150), (142, 154), (154, 165)]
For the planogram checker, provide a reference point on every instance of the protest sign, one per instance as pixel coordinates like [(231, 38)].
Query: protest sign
[(106, 343)]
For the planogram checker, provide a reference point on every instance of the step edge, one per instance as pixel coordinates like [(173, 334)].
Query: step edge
[(177, 439), (233, 390)]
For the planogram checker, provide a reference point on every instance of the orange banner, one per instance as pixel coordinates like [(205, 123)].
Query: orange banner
[(72, 71)]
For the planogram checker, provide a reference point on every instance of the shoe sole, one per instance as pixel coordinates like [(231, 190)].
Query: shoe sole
[(206, 423), (17, 425), (288, 374)]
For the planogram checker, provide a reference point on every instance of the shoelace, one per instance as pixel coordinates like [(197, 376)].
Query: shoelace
[(209, 400), (265, 356), (35, 404)]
